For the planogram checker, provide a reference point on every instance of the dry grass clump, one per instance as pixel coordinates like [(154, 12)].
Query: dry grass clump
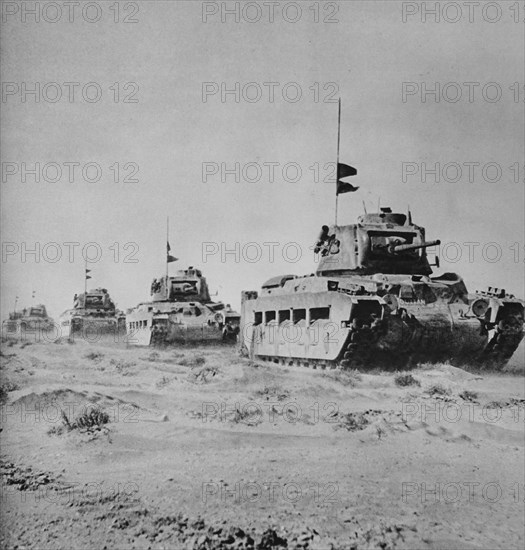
[(344, 377), (353, 421), (273, 391), (90, 420), (122, 366), (438, 390), (6, 387), (246, 416), (95, 356), (203, 375), (468, 395), (193, 361), (406, 379)]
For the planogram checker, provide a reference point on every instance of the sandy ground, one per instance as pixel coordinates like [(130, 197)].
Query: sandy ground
[(205, 449)]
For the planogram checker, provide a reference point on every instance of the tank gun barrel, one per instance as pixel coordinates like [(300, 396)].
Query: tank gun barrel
[(405, 247)]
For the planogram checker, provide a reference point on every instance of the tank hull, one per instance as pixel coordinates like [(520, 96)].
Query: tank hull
[(74, 323), (29, 324), (168, 323), (30, 320), (357, 324), (28, 327)]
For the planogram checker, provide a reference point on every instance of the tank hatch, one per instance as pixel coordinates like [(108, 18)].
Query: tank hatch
[(278, 281)]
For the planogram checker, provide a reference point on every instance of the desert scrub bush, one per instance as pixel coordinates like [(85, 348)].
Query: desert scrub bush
[(122, 366), (5, 388), (406, 379), (511, 402), (94, 356), (353, 422), (246, 416), (93, 418), (193, 361), (274, 391), (87, 421), (344, 377), (468, 395), (202, 375), (438, 390)]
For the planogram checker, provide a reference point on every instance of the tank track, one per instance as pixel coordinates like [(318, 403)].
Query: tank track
[(360, 350), (361, 341), (161, 339), (503, 344), (357, 351)]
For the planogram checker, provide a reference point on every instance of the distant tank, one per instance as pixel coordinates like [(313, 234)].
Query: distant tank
[(31, 318), (372, 302), (181, 311), (93, 313)]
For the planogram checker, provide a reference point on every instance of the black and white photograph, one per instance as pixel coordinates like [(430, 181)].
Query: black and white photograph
[(262, 283)]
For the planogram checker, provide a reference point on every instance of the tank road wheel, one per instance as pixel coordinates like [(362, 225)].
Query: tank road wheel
[(508, 337)]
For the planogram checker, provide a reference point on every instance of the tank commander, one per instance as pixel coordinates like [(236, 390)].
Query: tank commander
[(321, 240), (326, 244)]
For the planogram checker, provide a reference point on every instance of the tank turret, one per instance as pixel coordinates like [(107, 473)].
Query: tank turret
[(94, 299), (386, 242), (93, 310), (188, 285)]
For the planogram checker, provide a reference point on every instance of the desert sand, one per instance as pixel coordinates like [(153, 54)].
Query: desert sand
[(204, 449)]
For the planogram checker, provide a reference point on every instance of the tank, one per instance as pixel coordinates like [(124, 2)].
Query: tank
[(29, 319), (181, 311), (93, 313), (373, 302)]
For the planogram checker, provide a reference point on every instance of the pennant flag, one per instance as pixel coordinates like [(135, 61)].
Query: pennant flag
[(87, 276), (170, 258), (344, 171), (343, 187)]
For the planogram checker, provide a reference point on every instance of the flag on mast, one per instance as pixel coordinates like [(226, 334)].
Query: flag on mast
[(87, 276), (169, 258), (345, 171)]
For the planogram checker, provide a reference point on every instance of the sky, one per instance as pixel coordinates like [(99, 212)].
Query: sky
[(161, 148)]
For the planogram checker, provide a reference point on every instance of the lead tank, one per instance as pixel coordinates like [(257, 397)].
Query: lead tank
[(94, 313), (372, 301), (181, 311)]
